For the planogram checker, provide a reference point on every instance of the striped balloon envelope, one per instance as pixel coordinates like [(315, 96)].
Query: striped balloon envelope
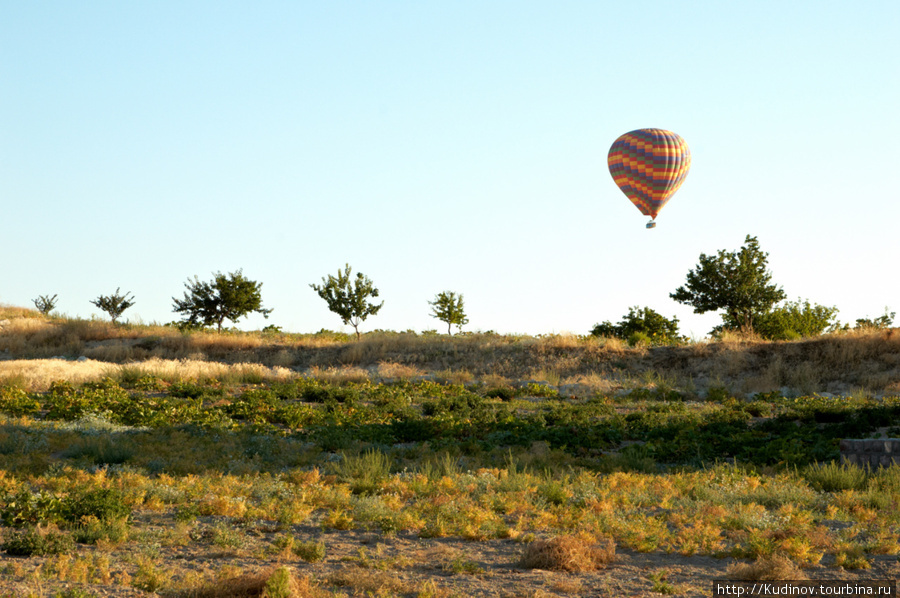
[(649, 165)]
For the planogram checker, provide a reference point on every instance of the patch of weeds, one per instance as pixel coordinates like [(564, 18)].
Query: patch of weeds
[(311, 552), (834, 477), (187, 513), (462, 565), (660, 583), (852, 557), (364, 473), (100, 450), (92, 530)]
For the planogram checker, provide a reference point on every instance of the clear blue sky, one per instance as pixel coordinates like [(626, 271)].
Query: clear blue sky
[(444, 145)]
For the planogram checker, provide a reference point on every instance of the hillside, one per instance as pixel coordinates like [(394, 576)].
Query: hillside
[(850, 362)]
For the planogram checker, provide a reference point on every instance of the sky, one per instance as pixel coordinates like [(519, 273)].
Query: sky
[(444, 145)]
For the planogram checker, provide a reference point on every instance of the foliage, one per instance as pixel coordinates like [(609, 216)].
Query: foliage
[(794, 320), (736, 282), (114, 305), (225, 297), (641, 321), (35, 541), (45, 303), (834, 477), (349, 299), (448, 308), (886, 320)]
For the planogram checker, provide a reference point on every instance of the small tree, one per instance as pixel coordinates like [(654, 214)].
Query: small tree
[(736, 282), (448, 308), (114, 305), (349, 299), (639, 324), (225, 297), (45, 303)]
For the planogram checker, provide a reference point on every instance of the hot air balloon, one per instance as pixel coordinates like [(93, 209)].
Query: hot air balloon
[(649, 166)]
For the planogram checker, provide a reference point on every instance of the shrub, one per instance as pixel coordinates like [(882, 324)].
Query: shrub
[(27, 508), (311, 552), (833, 477), (572, 553), (773, 567), (16, 402), (794, 320), (641, 324), (45, 303), (37, 541), (106, 504)]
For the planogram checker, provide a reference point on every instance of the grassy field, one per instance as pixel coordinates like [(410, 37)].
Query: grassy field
[(250, 464)]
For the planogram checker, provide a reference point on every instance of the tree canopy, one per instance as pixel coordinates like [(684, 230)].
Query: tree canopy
[(348, 298), (114, 305), (736, 282), (225, 297), (448, 308)]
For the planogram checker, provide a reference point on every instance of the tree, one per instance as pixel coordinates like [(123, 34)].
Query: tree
[(736, 282), (448, 307), (45, 303), (349, 299), (225, 297), (795, 319), (641, 324), (114, 305)]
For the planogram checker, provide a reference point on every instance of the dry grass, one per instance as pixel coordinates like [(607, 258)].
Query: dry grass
[(868, 360), (572, 553), (339, 375), (38, 374), (276, 583), (397, 371), (773, 567)]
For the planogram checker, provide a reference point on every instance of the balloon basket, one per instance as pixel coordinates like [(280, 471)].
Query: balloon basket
[(651, 224)]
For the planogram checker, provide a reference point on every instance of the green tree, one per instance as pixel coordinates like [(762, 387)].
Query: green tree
[(114, 305), (225, 297), (349, 298), (795, 319), (448, 308), (641, 323), (45, 303), (736, 282)]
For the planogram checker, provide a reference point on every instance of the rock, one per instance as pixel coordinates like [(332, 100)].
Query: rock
[(82, 358)]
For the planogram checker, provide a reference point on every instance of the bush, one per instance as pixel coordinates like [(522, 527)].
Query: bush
[(27, 508), (641, 325), (311, 552), (16, 402), (35, 541), (572, 553), (795, 320), (832, 477), (106, 504)]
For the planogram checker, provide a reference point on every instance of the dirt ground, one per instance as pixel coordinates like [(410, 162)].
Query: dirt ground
[(360, 563)]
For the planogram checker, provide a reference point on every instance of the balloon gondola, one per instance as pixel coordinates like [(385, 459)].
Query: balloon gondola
[(649, 166)]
